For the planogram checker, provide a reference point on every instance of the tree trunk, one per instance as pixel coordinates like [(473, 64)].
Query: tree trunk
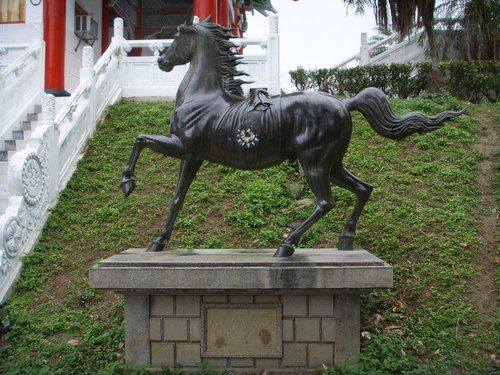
[(436, 82)]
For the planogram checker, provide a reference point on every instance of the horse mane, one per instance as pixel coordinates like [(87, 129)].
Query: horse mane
[(228, 60)]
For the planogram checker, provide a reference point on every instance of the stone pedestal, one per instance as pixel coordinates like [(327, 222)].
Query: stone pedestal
[(242, 309)]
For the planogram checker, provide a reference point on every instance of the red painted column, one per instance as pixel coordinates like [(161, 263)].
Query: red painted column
[(223, 13), (235, 26), (205, 8), (138, 30), (104, 26), (54, 32)]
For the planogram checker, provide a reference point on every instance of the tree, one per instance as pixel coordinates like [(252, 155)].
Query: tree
[(480, 22), (404, 15)]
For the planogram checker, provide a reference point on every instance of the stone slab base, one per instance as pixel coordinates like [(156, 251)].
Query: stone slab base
[(288, 321)]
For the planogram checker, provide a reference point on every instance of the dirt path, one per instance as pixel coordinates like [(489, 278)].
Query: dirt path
[(484, 294)]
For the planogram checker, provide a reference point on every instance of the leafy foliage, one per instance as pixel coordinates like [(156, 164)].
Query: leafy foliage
[(422, 219), (471, 81)]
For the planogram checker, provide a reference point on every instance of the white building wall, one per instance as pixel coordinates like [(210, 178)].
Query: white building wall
[(22, 32), (72, 58)]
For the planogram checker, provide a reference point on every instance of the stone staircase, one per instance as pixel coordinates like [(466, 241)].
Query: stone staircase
[(16, 142)]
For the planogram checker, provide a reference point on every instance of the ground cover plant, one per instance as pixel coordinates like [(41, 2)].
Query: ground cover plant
[(425, 217)]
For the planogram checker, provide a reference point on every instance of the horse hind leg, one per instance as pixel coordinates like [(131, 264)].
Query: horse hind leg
[(319, 181), (163, 144), (343, 178)]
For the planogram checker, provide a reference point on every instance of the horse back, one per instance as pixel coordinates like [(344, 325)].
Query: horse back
[(248, 134)]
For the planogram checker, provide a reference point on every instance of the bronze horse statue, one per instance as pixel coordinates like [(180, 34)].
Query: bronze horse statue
[(214, 121)]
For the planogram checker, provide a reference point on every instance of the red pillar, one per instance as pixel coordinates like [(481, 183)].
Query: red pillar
[(205, 8), (223, 12), (54, 31), (235, 27), (138, 30), (105, 26)]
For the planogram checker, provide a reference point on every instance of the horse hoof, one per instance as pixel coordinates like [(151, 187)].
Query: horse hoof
[(155, 246), (127, 184), (346, 242), (284, 250)]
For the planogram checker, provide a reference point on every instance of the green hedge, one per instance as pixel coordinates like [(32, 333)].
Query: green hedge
[(470, 81)]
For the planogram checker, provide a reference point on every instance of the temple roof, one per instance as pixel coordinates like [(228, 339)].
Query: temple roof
[(261, 6)]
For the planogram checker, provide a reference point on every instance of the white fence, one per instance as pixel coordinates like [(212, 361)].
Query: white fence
[(408, 50), (41, 170), (21, 82), (142, 77)]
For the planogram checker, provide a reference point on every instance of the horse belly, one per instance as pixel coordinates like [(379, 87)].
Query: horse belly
[(251, 141)]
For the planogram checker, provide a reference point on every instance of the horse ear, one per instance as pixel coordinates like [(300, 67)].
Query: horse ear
[(208, 19), (189, 19)]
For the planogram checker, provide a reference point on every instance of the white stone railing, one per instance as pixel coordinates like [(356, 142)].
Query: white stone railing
[(39, 172), (21, 82), (408, 50), (142, 77), (10, 52)]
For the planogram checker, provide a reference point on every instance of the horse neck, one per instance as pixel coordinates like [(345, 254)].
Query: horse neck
[(203, 76)]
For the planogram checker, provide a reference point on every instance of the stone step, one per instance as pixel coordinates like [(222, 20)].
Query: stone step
[(20, 144), (3, 171), (4, 202), (27, 134), (4, 191), (9, 145), (3, 156), (32, 117), (26, 125), (17, 135), (38, 108)]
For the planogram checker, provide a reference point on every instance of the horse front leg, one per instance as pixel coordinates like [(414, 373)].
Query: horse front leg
[(168, 145), (187, 173)]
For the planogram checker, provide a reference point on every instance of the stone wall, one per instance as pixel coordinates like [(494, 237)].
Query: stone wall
[(179, 331)]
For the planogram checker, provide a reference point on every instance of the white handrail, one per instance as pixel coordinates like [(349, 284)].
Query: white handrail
[(71, 105), (346, 61), (19, 61), (14, 46), (103, 60), (384, 41), (366, 48), (141, 43)]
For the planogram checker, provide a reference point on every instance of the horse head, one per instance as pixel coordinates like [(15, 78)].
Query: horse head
[(182, 48)]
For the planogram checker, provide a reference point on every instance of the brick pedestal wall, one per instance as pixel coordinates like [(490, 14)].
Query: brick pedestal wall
[(308, 327)]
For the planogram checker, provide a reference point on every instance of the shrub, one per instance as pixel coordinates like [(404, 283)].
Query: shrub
[(300, 78), (471, 81)]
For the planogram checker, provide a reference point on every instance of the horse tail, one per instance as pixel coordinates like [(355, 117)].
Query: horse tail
[(373, 104)]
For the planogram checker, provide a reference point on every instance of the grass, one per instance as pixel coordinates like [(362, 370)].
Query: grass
[(423, 218)]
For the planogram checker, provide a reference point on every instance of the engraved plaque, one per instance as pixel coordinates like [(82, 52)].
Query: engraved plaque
[(241, 330)]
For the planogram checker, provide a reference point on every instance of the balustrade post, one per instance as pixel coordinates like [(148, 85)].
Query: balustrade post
[(38, 40), (48, 116), (118, 30), (273, 56), (364, 51), (119, 40), (87, 74)]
